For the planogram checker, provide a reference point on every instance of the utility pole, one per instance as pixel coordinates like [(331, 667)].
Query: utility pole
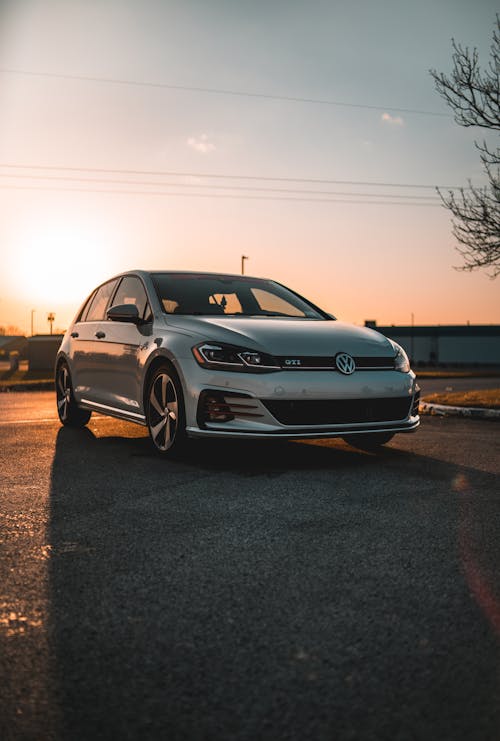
[(32, 321), (50, 319), (243, 258)]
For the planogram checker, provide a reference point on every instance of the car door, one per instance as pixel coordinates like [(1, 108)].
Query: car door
[(86, 349), (119, 356)]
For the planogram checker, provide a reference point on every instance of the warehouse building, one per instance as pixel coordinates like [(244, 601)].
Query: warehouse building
[(447, 345), (42, 351)]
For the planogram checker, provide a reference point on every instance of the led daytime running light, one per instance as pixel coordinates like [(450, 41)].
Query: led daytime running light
[(236, 358)]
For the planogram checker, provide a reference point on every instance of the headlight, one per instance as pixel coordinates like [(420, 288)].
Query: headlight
[(401, 362), (219, 356)]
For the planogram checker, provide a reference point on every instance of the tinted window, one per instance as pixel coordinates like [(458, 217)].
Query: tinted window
[(84, 311), (97, 307), (131, 291), (270, 302), (191, 293)]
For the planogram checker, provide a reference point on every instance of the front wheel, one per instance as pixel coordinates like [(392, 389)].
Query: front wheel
[(165, 414), (370, 440), (68, 410)]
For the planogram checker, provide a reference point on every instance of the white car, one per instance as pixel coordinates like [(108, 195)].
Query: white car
[(211, 355)]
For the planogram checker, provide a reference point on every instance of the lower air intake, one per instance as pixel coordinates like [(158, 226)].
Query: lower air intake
[(338, 411)]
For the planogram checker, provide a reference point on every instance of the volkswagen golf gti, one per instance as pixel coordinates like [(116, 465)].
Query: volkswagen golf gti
[(209, 355)]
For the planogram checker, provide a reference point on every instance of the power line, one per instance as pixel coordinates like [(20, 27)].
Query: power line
[(215, 195), (220, 91), (215, 187), (219, 176)]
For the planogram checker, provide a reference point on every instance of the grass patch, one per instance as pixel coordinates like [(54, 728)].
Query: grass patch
[(483, 399), (443, 373)]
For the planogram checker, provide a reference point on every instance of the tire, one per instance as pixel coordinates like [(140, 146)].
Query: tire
[(165, 415), (68, 410), (370, 440)]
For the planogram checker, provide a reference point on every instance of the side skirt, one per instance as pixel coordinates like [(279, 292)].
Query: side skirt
[(93, 406)]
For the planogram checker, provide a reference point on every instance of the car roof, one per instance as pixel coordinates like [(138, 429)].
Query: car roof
[(188, 272)]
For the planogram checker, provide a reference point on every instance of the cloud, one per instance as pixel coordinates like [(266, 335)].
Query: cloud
[(201, 144), (392, 120)]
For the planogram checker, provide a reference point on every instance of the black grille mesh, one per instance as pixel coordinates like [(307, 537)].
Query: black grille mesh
[(338, 411)]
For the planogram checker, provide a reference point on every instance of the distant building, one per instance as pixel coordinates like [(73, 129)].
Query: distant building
[(42, 351), (455, 345)]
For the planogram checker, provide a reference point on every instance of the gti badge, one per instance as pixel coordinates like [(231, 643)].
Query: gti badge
[(345, 363), (290, 361)]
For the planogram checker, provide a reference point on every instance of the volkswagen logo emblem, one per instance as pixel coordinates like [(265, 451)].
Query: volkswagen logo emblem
[(345, 363)]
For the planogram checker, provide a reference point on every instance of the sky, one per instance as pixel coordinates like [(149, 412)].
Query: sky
[(183, 134)]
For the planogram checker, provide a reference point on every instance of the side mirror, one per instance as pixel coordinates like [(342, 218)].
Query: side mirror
[(124, 313)]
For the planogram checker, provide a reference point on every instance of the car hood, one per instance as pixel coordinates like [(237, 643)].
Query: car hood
[(284, 336)]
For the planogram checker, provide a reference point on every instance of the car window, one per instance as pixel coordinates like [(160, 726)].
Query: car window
[(268, 301), (229, 302), (131, 291), (97, 306), (85, 310), (206, 294)]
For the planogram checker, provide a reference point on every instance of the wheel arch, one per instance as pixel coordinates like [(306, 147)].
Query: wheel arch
[(156, 361), (61, 357)]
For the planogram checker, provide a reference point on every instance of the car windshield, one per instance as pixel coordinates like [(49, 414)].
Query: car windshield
[(202, 294)]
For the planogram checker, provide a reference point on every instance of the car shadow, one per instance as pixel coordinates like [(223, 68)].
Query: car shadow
[(266, 457), (292, 590)]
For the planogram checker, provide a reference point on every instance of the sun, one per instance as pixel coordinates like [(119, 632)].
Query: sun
[(58, 264)]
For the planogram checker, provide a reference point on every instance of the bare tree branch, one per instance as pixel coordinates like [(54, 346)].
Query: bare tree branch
[(474, 96)]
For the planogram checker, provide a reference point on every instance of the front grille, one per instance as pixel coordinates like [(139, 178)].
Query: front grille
[(338, 411), (318, 362), (365, 363)]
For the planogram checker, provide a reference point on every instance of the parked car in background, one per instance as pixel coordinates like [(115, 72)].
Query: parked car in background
[(209, 355)]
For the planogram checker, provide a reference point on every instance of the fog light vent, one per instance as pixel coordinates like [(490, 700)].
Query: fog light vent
[(218, 407)]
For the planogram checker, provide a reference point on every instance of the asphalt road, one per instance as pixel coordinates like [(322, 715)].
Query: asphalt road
[(251, 591)]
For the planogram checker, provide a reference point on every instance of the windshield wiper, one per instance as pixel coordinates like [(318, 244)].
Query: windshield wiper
[(271, 313), (186, 313), (280, 314)]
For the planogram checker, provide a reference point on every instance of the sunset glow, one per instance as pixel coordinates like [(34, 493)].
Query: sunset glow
[(174, 144), (55, 264)]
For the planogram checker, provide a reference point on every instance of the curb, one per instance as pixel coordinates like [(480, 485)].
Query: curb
[(443, 410)]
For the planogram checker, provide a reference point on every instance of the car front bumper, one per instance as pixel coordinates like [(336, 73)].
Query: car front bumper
[(300, 404)]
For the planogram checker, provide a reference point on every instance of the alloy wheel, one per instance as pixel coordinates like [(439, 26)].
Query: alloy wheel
[(63, 393), (163, 411)]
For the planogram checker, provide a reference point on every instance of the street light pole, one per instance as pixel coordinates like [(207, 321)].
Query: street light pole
[(243, 258), (32, 322)]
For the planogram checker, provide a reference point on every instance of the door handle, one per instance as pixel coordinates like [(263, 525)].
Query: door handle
[(75, 334), (100, 335)]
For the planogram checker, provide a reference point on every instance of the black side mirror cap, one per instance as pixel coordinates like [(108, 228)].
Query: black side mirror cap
[(124, 313)]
